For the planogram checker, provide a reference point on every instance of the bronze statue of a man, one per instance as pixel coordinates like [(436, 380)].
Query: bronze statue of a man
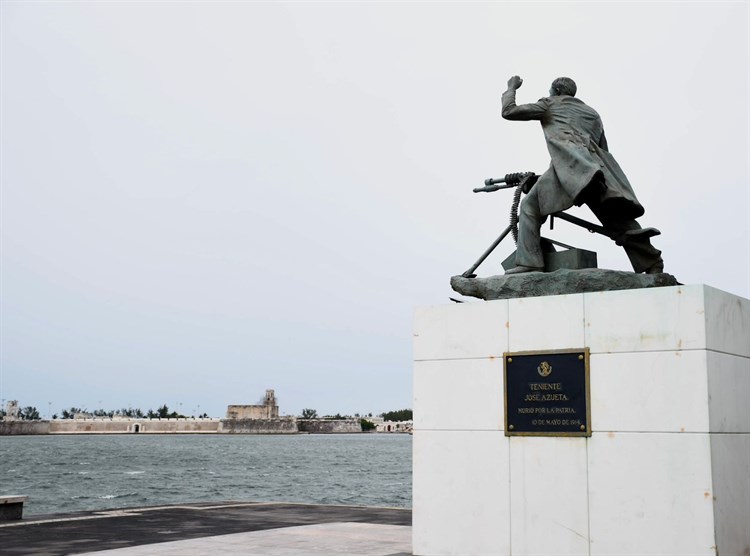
[(582, 171)]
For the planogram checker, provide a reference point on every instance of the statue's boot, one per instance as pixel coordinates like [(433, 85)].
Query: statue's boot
[(643, 234), (520, 269), (656, 268)]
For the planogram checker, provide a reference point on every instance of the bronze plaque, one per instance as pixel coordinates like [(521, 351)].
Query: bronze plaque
[(547, 393)]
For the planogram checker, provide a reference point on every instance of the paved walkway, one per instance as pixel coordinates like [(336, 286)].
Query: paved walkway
[(329, 539), (268, 529)]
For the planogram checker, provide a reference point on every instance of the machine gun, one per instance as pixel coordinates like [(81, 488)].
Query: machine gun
[(523, 182)]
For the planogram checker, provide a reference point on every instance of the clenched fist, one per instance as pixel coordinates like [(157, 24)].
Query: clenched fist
[(514, 83)]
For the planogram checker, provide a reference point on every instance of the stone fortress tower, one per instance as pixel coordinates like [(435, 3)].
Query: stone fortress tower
[(268, 409)]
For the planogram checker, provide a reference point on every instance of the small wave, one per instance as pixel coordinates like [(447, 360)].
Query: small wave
[(84, 463), (134, 472), (113, 496), (84, 472)]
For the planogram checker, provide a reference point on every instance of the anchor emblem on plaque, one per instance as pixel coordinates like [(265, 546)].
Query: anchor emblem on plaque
[(544, 369)]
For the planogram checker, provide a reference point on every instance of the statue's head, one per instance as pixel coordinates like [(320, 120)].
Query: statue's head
[(563, 86)]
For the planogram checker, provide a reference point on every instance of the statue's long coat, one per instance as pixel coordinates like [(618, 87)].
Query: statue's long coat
[(576, 143)]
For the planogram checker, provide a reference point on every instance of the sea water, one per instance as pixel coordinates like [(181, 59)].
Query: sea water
[(97, 472)]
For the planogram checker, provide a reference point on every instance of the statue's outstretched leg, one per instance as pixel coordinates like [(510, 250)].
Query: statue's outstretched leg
[(529, 256), (643, 256)]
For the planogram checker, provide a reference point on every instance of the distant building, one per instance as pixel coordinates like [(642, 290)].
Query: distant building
[(12, 411), (394, 426), (269, 409)]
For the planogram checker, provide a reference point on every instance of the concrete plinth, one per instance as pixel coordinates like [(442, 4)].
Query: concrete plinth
[(667, 467)]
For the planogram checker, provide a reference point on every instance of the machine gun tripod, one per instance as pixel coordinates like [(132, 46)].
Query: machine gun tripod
[(523, 182)]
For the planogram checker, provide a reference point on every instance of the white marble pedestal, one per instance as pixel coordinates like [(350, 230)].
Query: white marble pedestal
[(666, 470)]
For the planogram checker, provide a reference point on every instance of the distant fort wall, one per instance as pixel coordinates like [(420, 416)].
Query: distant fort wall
[(110, 426), (24, 427), (131, 426), (282, 425), (329, 426)]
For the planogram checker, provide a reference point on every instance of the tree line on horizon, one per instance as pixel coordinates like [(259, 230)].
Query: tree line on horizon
[(30, 413)]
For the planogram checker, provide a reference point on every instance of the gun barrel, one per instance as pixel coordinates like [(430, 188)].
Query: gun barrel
[(494, 187), (494, 181)]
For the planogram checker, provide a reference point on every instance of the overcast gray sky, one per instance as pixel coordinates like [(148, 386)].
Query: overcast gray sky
[(202, 200)]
